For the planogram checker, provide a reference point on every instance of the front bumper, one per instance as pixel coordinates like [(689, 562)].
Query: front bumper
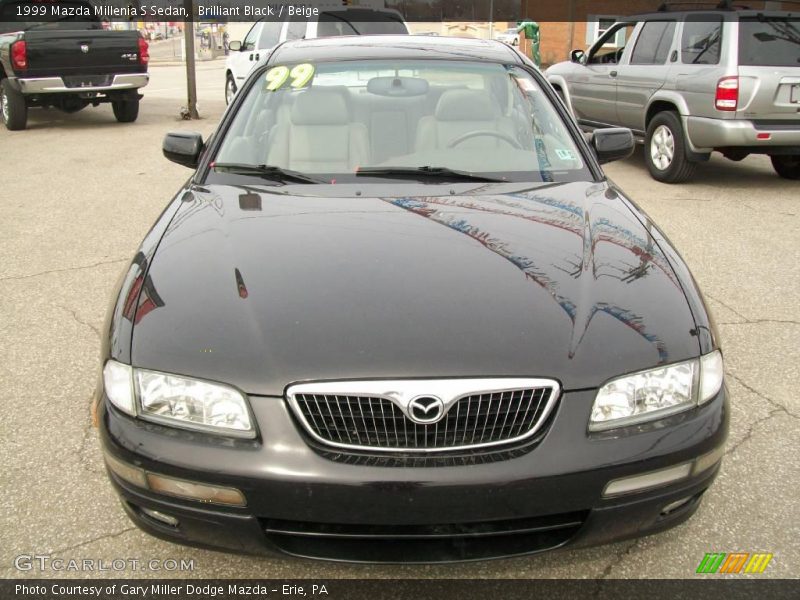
[(56, 85), (304, 502), (706, 134)]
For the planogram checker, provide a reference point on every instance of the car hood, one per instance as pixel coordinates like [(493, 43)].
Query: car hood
[(260, 290)]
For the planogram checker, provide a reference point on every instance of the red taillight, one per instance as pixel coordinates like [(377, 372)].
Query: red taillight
[(727, 93), (19, 55), (144, 54)]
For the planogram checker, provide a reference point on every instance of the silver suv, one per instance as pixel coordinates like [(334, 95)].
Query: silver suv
[(691, 82)]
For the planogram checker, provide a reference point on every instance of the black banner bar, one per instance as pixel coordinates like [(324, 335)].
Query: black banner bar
[(481, 11)]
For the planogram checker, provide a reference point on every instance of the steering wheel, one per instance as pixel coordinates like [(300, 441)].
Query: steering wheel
[(484, 133)]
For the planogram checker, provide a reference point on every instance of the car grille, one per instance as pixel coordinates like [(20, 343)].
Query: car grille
[(471, 421), (423, 543)]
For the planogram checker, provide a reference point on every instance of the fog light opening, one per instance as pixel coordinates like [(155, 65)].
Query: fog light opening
[(674, 506), (159, 516)]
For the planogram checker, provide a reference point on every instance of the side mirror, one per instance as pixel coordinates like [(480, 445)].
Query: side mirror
[(183, 148), (577, 56), (235, 46), (614, 143)]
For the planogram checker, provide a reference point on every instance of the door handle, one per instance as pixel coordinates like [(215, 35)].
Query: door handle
[(612, 74)]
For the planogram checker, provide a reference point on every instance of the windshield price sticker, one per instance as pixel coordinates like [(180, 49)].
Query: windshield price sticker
[(300, 76)]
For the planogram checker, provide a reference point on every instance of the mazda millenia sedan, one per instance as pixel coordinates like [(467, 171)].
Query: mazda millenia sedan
[(399, 313)]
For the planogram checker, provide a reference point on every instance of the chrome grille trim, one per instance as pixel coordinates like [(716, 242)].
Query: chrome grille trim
[(368, 405)]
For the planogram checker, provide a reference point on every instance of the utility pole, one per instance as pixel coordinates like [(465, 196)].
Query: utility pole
[(191, 79)]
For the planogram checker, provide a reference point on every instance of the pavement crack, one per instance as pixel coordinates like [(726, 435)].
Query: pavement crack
[(105, 536), (760, 321), (81, 321), (770, 210), (752, 429), (776, 409), (730, 308), (81, 453), (618, 560), (776, 405), (67, 270)]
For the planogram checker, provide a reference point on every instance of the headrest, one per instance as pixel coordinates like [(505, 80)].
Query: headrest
[(466, 105), (320, 107)]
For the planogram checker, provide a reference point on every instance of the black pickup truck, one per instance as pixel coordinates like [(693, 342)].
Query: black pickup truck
[(67, 58)]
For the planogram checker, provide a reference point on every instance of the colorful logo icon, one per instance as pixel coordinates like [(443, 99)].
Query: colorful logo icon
[(734, 562)]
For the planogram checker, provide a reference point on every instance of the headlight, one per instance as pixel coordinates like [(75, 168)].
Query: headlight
[(657, 393), (118, 381), (178, 401)]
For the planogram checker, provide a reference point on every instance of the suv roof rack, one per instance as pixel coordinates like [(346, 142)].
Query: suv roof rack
[(721, 5)]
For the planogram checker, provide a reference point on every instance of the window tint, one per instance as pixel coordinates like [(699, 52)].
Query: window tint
[(655, 40), (296, 30), (701, 41), (270, 34), (772, 42), (250, 41)]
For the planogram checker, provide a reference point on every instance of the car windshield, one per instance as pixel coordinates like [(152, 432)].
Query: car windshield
[(358, 119)]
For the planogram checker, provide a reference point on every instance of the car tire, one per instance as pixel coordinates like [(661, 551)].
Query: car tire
[(13, 109), (665, 149), (787, 165), (230, 89), (126, 111)]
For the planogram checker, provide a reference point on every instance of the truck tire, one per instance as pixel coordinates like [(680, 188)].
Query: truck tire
[(126, 111), (787, 166), (665, 149), (230, 88), (12, 107)]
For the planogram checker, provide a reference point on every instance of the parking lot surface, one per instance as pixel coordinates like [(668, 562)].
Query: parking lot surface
[(79, 192)]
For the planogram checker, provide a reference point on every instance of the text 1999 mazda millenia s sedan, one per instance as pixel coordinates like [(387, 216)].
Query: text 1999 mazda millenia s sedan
[(399, 314)]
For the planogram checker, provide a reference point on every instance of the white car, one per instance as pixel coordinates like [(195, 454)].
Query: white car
[(265, 35), (509, 36)]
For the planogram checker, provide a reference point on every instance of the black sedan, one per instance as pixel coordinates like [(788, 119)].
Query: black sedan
[(399, 313)]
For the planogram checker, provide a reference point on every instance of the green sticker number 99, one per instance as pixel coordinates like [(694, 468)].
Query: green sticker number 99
[(299, 74)]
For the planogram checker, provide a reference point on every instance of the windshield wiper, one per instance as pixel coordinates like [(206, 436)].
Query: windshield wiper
[(426, 172), (272, 173)]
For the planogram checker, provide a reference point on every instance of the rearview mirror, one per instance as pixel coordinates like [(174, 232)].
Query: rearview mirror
[(235, 46), (183, 148), (614, 143), (577, 56)]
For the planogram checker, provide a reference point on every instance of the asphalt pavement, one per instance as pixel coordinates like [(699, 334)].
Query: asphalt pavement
[(80, 191)]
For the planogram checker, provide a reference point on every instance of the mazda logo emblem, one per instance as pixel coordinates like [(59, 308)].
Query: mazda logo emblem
[(85, 48), (425, 409)]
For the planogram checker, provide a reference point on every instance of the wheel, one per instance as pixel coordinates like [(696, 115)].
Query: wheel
[(126, 111), (787, 166), (12, 107), (230, 89), (665, 149)]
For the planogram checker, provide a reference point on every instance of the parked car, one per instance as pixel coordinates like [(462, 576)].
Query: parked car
[(509, 36), (691, 82), (265, 35), (68, 63), (398, 313)]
